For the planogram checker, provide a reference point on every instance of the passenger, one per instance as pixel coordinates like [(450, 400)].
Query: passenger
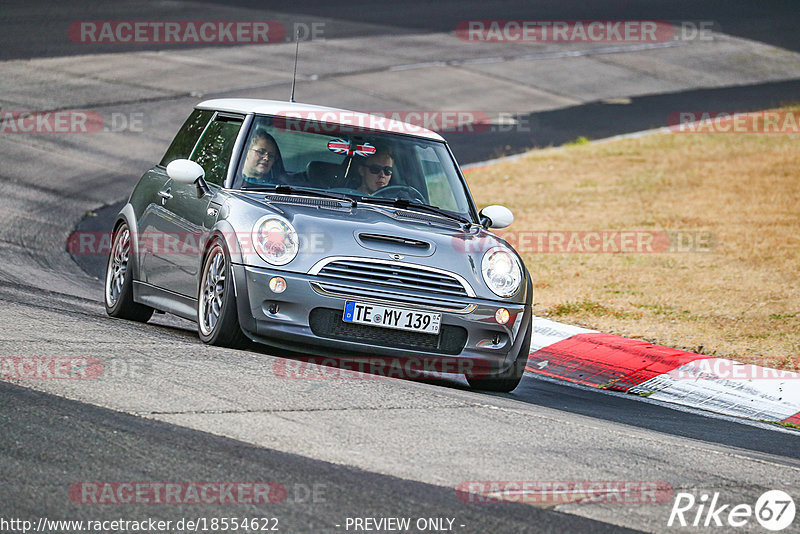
[(375, 171), (263, 164)]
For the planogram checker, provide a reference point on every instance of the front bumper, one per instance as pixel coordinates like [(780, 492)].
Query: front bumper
[(307, 317)]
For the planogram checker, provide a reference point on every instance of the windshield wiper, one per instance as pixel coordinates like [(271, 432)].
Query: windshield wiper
[(409, 205), (291, 190)]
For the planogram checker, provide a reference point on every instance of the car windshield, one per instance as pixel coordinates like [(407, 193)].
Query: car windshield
[(365, 165)]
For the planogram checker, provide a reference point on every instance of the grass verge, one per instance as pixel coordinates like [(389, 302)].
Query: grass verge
[(727, 283)]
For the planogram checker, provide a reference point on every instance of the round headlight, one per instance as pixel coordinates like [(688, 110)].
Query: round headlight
[(275, 240), (502, 271)]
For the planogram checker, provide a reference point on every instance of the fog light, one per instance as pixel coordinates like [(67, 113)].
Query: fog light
[(502, 316), (278, 285)]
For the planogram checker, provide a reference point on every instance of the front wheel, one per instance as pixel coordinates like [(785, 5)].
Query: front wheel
[(509, 379), (119, 281), (217, 318)]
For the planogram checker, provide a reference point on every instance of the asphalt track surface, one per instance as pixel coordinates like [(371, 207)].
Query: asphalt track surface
[(166, 452), (34, 23), (382, 449)]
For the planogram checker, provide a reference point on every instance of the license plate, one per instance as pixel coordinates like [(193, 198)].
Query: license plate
[(390, 317)]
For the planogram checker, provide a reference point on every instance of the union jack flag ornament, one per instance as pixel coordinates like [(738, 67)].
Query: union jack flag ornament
[(341, 146)]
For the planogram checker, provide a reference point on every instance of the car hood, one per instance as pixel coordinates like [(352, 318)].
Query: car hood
[(330, 228)]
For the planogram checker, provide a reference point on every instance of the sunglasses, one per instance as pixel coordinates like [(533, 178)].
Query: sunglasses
[(375, 169)]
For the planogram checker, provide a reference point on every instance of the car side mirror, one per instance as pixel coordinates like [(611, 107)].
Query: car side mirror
[(186, 171), (496, 216)]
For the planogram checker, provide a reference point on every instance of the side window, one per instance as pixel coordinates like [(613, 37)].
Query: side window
[(213, 152), (187, 137)]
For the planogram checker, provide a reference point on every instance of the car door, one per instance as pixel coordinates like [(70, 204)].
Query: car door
[(149, 234), (184, 219)]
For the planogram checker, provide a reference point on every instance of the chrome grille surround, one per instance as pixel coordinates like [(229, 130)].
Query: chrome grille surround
[(393, 283)]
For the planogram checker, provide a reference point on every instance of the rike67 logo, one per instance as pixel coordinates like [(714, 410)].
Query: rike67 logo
[(774, 510)]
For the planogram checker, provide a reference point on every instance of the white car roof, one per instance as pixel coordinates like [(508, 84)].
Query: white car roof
[(318, 113)]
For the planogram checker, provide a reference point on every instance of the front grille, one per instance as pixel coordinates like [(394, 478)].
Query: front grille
[(328, 323), (394, 276), (392, 298)]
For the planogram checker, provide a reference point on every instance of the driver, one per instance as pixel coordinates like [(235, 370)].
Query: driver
[(263, 164), (376, 171)]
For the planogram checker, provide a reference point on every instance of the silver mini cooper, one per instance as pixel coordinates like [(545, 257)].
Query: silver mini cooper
[(324, 231)]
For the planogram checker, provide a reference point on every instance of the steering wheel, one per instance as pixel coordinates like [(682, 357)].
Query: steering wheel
[(405, 192)]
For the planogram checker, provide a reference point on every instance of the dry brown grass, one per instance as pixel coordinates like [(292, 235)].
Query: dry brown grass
[(740, 300)]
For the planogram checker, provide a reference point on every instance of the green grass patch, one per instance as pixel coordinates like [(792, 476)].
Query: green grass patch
[(578, 141)]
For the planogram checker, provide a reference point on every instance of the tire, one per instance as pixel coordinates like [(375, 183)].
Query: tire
[(509, 379), (119, 280), (217, 318)]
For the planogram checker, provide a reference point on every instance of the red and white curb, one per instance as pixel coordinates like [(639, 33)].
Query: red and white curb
[(616, 363), (611, 362)]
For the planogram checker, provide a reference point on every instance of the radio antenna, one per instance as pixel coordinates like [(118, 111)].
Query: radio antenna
[(296, 50)]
